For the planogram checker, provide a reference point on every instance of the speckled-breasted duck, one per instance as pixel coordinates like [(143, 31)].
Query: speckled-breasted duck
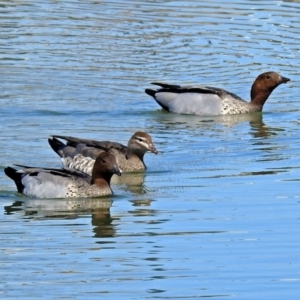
[(66, 183), (80, 153), (206, 100)]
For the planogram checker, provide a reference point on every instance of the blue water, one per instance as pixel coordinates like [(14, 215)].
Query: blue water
[(216, 214)]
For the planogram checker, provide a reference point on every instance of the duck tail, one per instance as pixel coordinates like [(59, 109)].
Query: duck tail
[(150, 92), (16, 177), (55, 144)]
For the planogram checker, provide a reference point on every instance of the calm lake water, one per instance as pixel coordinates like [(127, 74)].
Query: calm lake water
[(217, 212)]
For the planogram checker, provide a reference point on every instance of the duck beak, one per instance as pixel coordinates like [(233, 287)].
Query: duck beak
[(284, 79), (115, 170), (152, 149)]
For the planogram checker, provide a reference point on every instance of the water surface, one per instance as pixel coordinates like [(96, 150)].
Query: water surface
[(216, 214)]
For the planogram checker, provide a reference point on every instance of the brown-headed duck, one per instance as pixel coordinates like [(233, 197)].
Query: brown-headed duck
[(66, 183), (206, 100)]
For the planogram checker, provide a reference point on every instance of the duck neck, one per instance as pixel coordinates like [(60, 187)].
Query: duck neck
[(135, 154), (260, 94), (259, 101), (101, 181)]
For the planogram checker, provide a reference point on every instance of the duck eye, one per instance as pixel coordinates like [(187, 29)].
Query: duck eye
[(140, 139)]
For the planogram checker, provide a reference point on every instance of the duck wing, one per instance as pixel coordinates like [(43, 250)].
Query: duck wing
[(197, 100)]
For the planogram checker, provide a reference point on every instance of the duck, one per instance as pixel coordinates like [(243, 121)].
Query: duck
[(210, 101), (80, 154), (38, 182)]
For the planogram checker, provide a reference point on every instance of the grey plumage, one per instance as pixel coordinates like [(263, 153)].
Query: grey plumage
[(66, 183)]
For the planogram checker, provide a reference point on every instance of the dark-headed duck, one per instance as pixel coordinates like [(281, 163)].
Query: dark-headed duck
[(66, 183), (206, 100)]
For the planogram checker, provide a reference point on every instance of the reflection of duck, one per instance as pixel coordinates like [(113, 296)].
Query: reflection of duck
[(257, 127), (132, 182), (193, 122), (98, 208), (142, 202), (141, 209), (16, 206), (103, 223), (260, 130), (67, 208)]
